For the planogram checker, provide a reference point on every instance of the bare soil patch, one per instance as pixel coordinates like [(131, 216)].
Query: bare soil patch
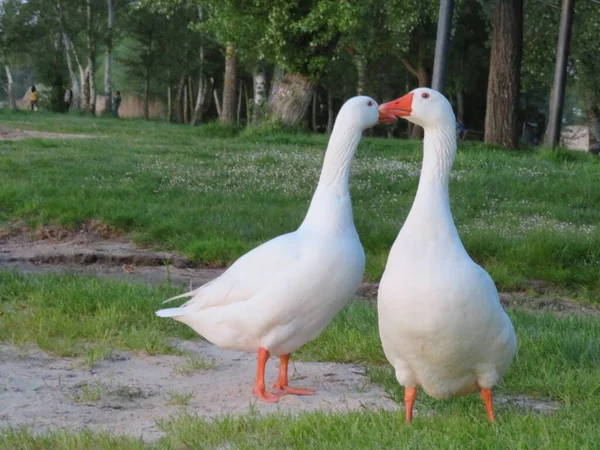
[(128, 393), (95, 249), (13, 134), (100, 250)]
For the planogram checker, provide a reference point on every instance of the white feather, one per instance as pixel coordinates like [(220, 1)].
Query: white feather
[(283, 293), (440, 320)]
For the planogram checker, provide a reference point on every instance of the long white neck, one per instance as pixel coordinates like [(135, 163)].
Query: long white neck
[(431, 209), (330, 206)]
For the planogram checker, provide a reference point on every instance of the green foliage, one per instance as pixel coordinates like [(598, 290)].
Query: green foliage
[(541, 24)]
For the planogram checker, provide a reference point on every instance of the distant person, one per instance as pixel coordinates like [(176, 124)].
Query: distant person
[(33, 97), (68, 98), (116, 103)]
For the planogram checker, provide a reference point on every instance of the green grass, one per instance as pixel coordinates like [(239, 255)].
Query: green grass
[(85, 316), (213, 193), (88, 392), (192, 365), (175, 399), (558, 361)]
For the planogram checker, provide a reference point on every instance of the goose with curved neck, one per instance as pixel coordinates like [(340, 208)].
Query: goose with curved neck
[(440, 319), (330, 205), (282, 294)]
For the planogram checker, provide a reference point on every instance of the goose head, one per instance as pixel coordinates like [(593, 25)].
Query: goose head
[(359, 112), (422, 106)]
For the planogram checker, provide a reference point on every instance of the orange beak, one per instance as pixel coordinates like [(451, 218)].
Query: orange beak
[(401, 107)]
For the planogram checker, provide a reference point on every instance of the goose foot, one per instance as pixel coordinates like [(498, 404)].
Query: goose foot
[(264, 395), (487, 396), (410, 394), (293, 391), (282, 383), (259, 384)]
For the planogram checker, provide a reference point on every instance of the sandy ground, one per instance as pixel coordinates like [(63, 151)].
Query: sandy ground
[(13, 134), (134, 391)]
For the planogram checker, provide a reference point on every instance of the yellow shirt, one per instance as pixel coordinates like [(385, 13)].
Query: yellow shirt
[(33, 96)]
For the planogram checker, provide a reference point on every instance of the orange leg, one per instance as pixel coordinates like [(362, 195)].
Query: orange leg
[(488, 397), (282, 379), (259, 389), (410, 395)]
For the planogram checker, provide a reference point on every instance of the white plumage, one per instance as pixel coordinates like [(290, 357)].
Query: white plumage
[(282, 294), (440, 319)]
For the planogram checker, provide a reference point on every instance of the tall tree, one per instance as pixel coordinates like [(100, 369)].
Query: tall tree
[(110, 4), (229, 84), (411, 31), (90, 93), (145, 26), (301, 37), (66, 16), (15, 23), (505, 74)]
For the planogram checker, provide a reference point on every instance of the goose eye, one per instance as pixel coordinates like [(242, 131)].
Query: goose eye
[(424, 95), (369, 103)]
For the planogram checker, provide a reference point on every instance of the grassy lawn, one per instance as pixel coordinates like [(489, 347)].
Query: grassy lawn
[(558, 361), (213, 193)]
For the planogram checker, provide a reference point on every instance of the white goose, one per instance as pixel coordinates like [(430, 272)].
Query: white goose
[(282, 294), (440, 319)]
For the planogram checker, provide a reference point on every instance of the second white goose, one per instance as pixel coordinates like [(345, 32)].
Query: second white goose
[(440, 319)]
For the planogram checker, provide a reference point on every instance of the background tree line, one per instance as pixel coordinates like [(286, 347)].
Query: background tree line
[(295, 61)]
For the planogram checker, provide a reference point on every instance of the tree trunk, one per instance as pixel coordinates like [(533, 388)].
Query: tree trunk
[(186, 117), (190, 98), (10, 88), (68, 47), (248, 107), (361, 72), (108, 58), (314, 112), (239, 105), (202, 100), (423, 74), (179, 102), (593, 117), (278, 74), (82, 101), (147, 94), (260, 94), (229, 85), (91, 42), (217, 104), (203, 85), (460, 106), (504, 76), (291, 99), (329, 112), (86, 89), (169, 102), (76, 98)]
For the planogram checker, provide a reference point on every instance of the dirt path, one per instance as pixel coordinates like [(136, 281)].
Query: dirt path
[(13, 134), (128, 393), (98, 250)]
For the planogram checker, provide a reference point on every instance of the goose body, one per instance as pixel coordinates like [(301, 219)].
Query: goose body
[(283, 294), (441, 323)]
